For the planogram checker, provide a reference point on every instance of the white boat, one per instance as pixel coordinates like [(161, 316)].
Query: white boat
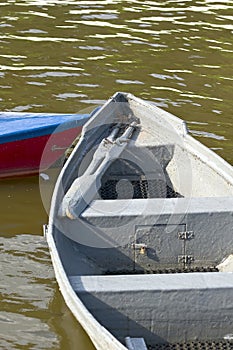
[(141, 231)]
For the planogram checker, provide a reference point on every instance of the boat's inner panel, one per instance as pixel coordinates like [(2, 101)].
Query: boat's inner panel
[(140, 199)]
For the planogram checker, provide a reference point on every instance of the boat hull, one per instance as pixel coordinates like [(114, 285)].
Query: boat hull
[(137, 252), (29, 156), (30, 142)]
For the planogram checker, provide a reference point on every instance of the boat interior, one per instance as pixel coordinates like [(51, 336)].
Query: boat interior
[(139, 196), (141, 187)]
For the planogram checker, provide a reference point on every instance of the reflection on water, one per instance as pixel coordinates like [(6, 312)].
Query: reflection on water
[(21, 207), (33, 315), (27, 282), (63, 56)]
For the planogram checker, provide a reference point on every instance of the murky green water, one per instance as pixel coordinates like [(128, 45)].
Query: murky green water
[(64, 56)]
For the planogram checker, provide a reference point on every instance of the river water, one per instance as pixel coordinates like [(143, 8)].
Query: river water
[(66, 56)]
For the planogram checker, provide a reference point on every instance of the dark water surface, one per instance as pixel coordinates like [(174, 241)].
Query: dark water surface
[(65, 56)]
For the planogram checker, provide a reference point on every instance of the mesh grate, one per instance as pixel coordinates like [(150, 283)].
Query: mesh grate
[(163, 271), (108, 190), (197, 345), (172, 194), (141, 189)]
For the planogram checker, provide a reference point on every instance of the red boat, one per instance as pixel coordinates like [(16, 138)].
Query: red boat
[(30, 142)]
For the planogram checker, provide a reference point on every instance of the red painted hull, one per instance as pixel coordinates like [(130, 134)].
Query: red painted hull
[(29, 156)]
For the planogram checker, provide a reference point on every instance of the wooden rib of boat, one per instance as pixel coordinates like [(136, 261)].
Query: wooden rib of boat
[(33, 141), (141, 231)]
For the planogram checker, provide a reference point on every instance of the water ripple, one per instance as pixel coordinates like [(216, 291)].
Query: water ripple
[(64, 55), (22, 68), (39, 39), (26, 287)]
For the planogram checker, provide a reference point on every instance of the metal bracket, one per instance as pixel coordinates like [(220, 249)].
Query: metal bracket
[(139, 246), (58, 148), (186, 235), (45, 229), (185, 259)]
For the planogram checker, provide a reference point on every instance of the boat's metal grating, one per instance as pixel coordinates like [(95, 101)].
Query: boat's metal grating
[(163, 271), (138, 189), (196, 345)]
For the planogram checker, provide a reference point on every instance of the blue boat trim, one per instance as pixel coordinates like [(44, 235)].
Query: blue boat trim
[(21, 126)]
